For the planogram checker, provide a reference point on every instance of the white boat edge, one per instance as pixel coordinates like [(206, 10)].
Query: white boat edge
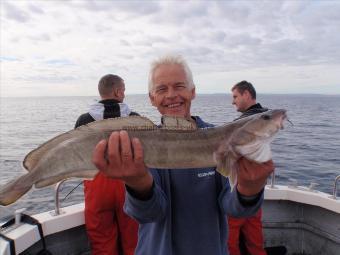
[(304, 195), (25, 235)]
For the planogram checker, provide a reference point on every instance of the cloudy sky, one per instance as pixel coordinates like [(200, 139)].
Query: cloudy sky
[(62, 48)]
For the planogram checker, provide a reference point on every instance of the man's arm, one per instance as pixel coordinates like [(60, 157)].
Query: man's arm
[(247, 196), (252, 176)]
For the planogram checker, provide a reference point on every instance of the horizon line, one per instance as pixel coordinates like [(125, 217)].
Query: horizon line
[(213, 93)]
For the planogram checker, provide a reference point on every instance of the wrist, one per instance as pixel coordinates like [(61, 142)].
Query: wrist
[(141, 186), (248, 191), (249, 200)]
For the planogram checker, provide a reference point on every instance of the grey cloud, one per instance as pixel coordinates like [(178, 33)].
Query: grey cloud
[(318, 29), (64, 31), (142, 42), (236, 12), (283, 52), (115, 62), (187, 11), (59, 62), (303, 76), (227, 34), (15, 13), (293, 7), (288, 52), (195, 54), (140, 8), (102, 28), (158, 39), (50, 78), (273, 32), (150, 40), (15, 39), (288, 33), (136, 7), (116, 67), (242, 39), (124, 42), (125, 56), (35, 9), (40, 37), (180, 13), (218, 36)]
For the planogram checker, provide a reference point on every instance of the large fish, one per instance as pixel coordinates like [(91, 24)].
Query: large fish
[(176, 144)]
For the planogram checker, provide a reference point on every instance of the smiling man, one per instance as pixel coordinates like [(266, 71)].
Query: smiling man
[(170, 90), (180, 211)]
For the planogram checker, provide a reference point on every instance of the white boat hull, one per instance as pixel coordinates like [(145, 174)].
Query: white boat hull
[(304, 221)]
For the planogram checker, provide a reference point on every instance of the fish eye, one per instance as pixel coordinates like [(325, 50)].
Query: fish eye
[(266, 117)]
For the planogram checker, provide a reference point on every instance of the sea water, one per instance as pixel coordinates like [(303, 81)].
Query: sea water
[(308, 150)]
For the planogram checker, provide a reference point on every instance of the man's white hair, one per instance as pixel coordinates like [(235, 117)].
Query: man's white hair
[(171, 60)]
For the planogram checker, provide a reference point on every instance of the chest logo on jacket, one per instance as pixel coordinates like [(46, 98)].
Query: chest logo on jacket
[(205, 174)]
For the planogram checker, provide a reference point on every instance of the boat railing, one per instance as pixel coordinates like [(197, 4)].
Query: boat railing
[(294, 184), (272, 182), (335, 187), (57, 210)]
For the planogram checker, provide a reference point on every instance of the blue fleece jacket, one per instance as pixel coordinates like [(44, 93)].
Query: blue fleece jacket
[(186, 214)]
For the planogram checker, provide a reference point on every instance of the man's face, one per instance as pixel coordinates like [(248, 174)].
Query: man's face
[(120, 92), (241, 101), (170, 93)]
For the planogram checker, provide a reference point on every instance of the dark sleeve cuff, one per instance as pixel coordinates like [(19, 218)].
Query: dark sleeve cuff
[(249, 200), (144, 197)]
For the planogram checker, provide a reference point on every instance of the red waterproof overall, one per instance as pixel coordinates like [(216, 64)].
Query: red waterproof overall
[(110, 230), (251, 228)]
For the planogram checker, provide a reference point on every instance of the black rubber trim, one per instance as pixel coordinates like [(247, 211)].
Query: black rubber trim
[(28, 220), (9, 240), (32, 221)]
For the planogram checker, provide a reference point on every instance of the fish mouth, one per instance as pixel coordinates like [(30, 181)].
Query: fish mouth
[(279, 116)]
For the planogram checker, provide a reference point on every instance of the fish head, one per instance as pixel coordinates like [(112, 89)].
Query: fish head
[(261, 126), (251, 139)]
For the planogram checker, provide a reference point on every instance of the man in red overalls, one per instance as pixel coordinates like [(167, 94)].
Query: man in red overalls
[(244, 99), (251, 229), (110, 230)]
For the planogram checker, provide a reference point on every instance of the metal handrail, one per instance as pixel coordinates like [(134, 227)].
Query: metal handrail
[(272, 182), (57, 210), (335, 187)]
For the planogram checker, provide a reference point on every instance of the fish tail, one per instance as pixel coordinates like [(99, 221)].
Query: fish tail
[(12, 191)]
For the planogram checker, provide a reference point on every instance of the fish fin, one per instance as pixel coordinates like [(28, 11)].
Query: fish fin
[(132, 122), (12, 191), (225, 158), (115, 124), (225, 162), (177, 123), (87, 174), (233, 176)]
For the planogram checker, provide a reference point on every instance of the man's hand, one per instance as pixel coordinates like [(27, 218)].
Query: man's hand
[(252, 176), (122, 158)]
